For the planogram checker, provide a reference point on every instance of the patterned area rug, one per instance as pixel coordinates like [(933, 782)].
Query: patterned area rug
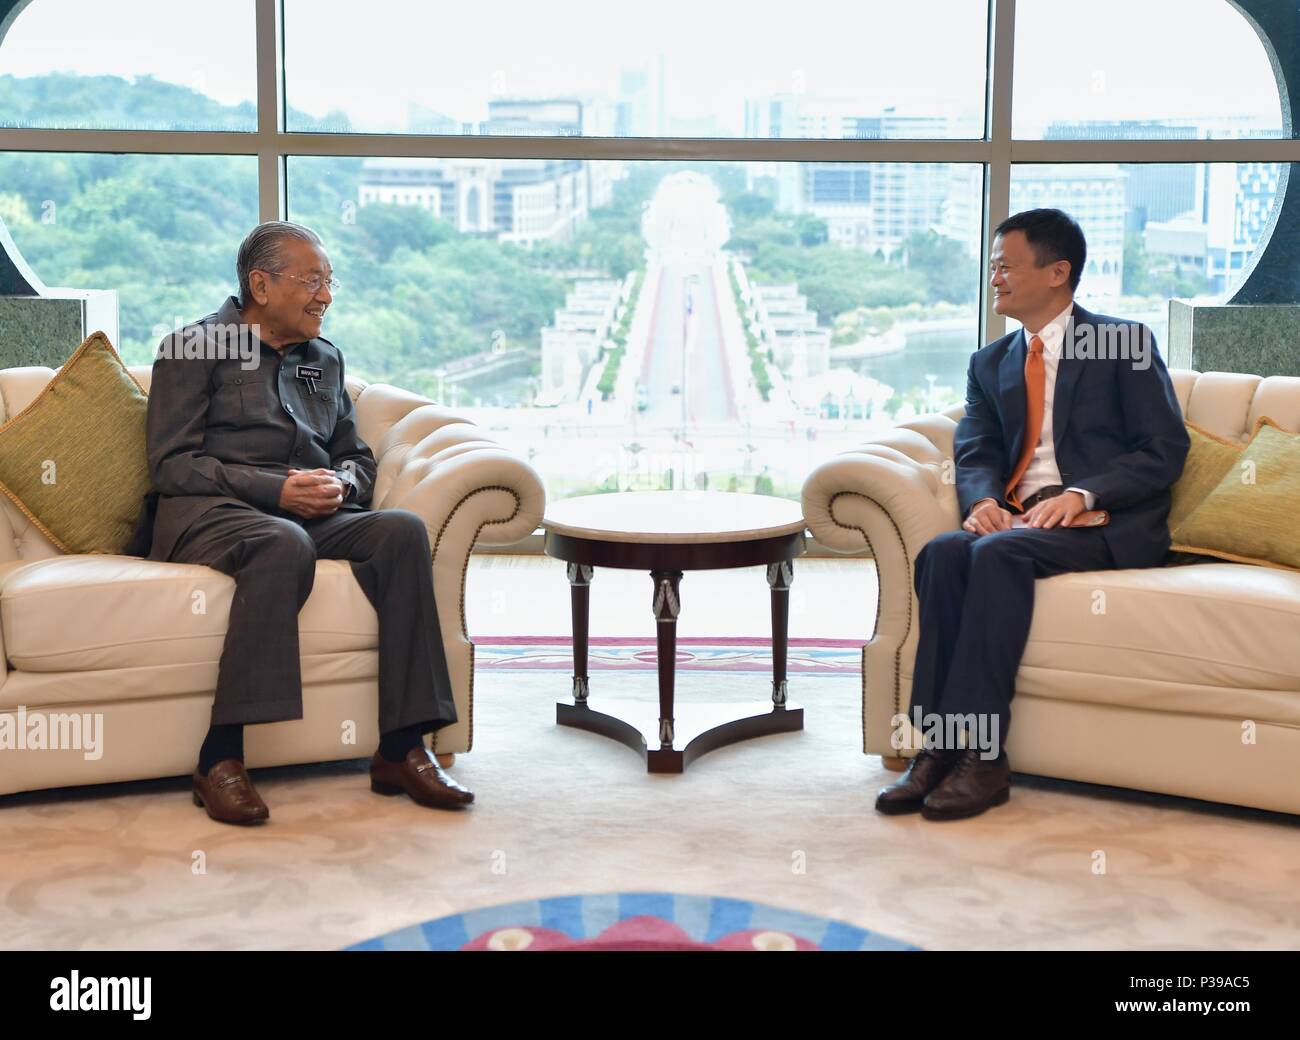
[(633, 921), (726, 654)]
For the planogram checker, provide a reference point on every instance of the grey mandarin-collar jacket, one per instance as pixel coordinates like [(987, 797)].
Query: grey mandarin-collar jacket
[(229, 417)]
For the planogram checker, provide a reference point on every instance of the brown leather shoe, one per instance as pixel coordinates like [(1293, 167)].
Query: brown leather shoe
[(924, 774), (420, 776), (228, 794), (974, 785)]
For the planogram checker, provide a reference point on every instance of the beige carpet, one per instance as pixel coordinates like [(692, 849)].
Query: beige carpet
[(785, 820)]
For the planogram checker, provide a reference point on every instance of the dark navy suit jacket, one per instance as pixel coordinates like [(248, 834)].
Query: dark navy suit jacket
[(1117, 428)]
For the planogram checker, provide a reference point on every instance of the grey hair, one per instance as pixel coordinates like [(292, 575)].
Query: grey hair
[(261, 250)]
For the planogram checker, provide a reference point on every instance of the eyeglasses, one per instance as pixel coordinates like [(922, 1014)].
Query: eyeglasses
[(313, 283)]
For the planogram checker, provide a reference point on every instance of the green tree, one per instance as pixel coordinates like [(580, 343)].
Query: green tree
[(950, 274), (747, 207), (812, 231), (13, 209), (1137, 274), (389, 227)]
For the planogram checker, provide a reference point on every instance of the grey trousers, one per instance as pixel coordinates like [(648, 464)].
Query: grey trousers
[(273, 562)]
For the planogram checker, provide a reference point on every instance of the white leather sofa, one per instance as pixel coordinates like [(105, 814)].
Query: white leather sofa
[(1188, 683), (117, 636)]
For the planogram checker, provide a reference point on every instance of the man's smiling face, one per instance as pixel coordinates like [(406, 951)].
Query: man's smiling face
[(1020, 286), (294, 312)]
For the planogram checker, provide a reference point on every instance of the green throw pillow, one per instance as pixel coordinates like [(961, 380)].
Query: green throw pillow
[(1210, 457), (74, 460), (1250, 516)]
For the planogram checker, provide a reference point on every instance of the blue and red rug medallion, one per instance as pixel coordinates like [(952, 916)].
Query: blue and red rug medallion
[(633, 921)]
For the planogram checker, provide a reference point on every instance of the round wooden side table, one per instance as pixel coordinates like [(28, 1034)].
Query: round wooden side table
[(667, 533)]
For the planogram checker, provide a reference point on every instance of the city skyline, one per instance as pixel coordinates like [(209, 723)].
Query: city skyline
[(676, 54)]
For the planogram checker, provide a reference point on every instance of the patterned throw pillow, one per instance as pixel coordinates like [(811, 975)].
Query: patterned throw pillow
[(1210, 457), (74, 460), (1250, 516)]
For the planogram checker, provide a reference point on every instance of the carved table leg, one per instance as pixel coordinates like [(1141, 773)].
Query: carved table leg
[(580, 588), (669, 743), (779, 577), (667, 606)]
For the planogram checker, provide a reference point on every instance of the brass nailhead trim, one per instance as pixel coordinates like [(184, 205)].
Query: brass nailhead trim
[(898, 654), (463, 572)]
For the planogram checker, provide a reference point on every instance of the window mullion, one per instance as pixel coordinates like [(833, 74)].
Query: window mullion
[(270, 110), (997, 178)]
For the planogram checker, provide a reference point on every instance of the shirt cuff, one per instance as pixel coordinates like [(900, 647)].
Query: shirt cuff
[(1089, 499), (349, 484), (263, 489)]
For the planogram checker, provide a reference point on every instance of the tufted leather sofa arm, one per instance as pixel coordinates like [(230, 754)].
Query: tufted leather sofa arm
[(890, 496), (467, 488)]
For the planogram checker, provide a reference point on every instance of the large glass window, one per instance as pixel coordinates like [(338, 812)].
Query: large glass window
[(1157, 231), (648, 323), (584, 68), (1160, 69), (133, 65), (159, 230)]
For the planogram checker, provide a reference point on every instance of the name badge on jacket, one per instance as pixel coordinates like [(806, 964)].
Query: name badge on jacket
[(310, 374)]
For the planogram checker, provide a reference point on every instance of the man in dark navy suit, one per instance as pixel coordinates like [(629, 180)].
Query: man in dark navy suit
[(1071, 440)]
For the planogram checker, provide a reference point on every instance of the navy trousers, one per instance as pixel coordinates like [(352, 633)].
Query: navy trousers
[(976, 595)]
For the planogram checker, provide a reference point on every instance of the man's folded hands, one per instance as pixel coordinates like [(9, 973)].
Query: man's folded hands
[(1059, 511), (311, 493)]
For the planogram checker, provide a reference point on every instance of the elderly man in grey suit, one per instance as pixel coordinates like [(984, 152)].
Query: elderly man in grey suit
[(259, 472)]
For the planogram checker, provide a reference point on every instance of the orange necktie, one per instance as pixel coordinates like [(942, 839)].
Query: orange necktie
[(1035, 391)]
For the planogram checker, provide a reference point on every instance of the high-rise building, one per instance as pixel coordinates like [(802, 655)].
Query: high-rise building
[(1219, 235), (1094, 194), (872, 206), (1239, 199), (1152, 191), (1158, 191), (635, 104), (520, 201), (567, 116)]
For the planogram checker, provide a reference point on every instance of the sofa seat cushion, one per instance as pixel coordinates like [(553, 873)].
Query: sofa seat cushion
[(1213, 639), (83, 613)]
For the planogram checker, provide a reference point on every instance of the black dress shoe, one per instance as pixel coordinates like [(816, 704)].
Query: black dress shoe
[(420, 776), (973, 785), (924, 774)]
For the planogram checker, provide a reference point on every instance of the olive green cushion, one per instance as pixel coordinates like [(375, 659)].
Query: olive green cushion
[(74, 460), (1251, 515), (1209, 459)]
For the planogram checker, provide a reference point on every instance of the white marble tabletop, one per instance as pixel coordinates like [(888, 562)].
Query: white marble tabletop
[(674, 517)]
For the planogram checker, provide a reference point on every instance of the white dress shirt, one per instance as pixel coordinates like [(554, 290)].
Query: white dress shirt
[(1043, 470)]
